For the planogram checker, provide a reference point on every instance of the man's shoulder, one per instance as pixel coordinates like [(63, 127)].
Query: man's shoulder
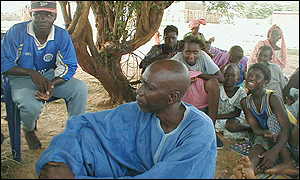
[(129, 106), (125, 109), (20, 27), (60, 30), (157, 47), (204, 55), (199, 116), (275, 66)]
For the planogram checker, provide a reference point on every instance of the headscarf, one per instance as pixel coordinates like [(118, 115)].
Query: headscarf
[(196, 22), (282, 60)]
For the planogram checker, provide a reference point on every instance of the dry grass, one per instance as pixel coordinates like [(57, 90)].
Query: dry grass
[(8, 165)]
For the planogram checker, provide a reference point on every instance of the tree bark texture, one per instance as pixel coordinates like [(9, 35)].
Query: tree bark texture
[(122, 27)]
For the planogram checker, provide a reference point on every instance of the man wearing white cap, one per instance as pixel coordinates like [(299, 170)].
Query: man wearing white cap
[(40, 60)]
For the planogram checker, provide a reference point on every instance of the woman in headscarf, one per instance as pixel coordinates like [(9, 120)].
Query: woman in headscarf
[(277, 43)]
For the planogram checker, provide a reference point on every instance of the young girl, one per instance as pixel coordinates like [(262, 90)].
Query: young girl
[(277, 43), (235, 55), (277, 81), (268, 119), (229, 109)]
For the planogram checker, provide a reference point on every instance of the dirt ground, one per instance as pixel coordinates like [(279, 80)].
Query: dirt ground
[(53, 119)]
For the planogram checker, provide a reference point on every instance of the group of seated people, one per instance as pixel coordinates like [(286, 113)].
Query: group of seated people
[(187, 87), (242, 97)]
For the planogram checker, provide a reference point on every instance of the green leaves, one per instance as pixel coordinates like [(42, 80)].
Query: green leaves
[(251, 10)]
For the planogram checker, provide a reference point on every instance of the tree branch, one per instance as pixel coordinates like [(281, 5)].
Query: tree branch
[(110, 16), (75, 18), (90, 41), (149, 16), (82, 19), (65, 13)]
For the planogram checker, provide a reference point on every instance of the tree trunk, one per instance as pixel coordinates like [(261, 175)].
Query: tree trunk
[(103, 61), (107, 70)]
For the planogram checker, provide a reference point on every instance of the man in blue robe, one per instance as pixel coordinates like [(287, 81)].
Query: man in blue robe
[(158, 136)]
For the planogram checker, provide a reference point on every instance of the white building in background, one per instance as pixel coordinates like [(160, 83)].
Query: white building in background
[(180, 13), (288, 21)]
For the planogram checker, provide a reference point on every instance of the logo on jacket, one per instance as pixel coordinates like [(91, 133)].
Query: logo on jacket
[(48, 57), (43, 3)]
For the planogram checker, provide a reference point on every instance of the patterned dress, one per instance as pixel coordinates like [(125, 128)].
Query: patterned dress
[(266, 118), (228, 105)]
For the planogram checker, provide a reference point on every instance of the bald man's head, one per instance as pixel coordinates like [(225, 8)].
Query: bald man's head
[(164, 83), (171, 71)]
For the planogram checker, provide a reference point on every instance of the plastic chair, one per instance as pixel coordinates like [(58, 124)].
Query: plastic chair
[(14, 120)]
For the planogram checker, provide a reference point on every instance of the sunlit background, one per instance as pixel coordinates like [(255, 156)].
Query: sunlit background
[(243, 32)]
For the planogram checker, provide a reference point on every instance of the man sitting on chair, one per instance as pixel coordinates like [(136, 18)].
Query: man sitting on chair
[(39, 60)]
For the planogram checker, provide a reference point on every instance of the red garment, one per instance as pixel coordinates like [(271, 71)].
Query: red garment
[(281, 60), (196, 94), (196, 22)]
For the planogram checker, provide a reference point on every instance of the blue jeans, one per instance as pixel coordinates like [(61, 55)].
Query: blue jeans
[(23, 90)]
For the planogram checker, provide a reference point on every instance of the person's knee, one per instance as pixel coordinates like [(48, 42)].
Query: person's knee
[(257, 149), (27, 103), (80, 88)]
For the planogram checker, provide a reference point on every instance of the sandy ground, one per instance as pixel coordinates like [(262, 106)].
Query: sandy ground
[(53, 120)]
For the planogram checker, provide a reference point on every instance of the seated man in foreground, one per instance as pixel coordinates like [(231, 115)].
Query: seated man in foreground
[(158, 136)]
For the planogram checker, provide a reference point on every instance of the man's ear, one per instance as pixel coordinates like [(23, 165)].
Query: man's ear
[(174, 96)]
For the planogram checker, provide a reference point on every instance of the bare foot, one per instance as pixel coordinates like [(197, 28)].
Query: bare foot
[(248, 173), (284, 168), (237, 172), (246, 162), (244, 170), (223, 175), (32, 140)]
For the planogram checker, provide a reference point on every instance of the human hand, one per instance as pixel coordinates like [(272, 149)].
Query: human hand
[(212, 39), (193, 79), (288, 100), (42, 83), (268, 159), (271, 136), (45, 96)]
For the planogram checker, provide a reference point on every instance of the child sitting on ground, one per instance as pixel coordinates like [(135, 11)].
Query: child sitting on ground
[(235, 55), (277, 81), (291, 93), (229, 110), (268, 119)]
